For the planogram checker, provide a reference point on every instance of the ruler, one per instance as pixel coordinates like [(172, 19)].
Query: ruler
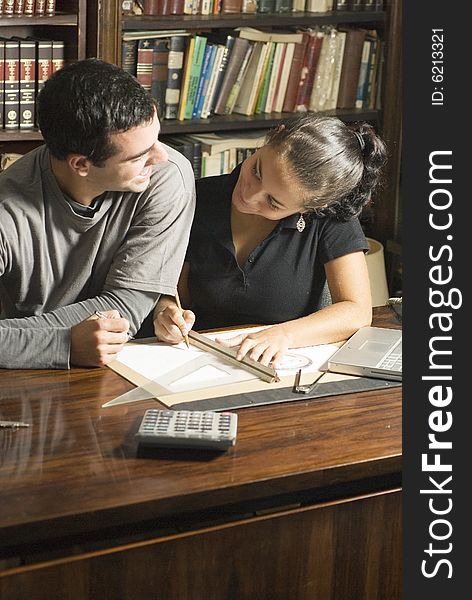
[(273, 396)]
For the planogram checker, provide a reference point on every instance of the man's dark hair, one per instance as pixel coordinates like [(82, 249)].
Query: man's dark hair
[(83, 103)]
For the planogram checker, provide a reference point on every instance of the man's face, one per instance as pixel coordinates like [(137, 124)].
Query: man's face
[(130, 168)]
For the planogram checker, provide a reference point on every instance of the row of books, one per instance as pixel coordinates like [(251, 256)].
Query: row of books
[(216, 153), (249, 72), (25, 64), (215, 7), (27, 7)]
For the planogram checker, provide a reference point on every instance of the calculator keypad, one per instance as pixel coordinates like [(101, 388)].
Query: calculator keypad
[(186, 428)]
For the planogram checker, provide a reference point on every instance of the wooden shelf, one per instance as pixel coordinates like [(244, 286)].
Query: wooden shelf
[(64, 19), (231, 21), (235, 121)]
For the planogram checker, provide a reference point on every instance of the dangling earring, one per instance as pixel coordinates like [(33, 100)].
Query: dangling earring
[(301, 223)]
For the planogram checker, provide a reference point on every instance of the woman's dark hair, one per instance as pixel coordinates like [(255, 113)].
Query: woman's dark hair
[(83, 103), (341, 165)]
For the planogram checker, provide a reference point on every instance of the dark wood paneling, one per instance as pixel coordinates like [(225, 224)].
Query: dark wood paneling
[(339, 551)]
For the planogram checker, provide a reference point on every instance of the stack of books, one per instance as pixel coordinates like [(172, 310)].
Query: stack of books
[(250, 72), (216, 153), (38, 8), (25, 64)]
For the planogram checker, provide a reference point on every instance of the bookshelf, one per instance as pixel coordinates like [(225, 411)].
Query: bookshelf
[(106, 44), (67, 24)]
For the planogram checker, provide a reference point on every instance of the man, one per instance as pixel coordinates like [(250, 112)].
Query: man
[(95, 221)]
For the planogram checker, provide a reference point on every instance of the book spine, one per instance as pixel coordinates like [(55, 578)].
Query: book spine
[(195, 70), (350, 69), (29, 7), (144, 64), (206, 81), (266, 6), (236, 58), (27, 83), (221, 70), (176, 7), (8, 7), (50, 8), (230, 7), (129, 56), (309, 68), (186, 77), (57, 55), (43, 63), (2, 83), (40, 7), (201, 81), (19, 7), (212, 82), (159, 73), (260, 102), (234, 92), (175, 63), (151, 7), (282, 6), (294, 77), (12, 85), (249, 6)]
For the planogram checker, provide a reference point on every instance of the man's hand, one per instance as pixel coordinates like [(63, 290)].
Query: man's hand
[(171, 324), (96, 341)]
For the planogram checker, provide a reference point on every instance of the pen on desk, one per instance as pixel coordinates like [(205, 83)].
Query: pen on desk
[(13, 424), (100, 315), (177, 300)]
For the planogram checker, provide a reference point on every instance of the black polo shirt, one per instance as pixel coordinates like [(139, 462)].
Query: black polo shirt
[(283, 277)]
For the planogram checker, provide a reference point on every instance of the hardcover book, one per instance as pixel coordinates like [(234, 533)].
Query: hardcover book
[(186, 77), (284, 76), (2, 80), (249, 86), (309, 67), (160, 59), (210, 93), (57, 55), (203, 80), (324, 72), (295, 75), (174, 75), (350, 68), (12, 84), (27, 72), (236, 58), (144, 63), (221, 70), (195, 68), (234, 92)]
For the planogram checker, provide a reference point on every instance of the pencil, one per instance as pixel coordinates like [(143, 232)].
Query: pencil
[(177, 299)]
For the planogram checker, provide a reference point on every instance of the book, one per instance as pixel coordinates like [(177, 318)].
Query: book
[(265, 6), (264, 87), (230, 6), (193, 151), (221, 70), (274, 76), (8, 7), (129, 56), (318, 6), (40, 7), (195, 68), (12, 84), (309, 67), (234, 92), (255, 35), (160, 59), (336, 67), (144, 63), (50, 8), (324, 72), (238, 52), (186, 77), (350, 68), (182, 146), (214, 143), (27, 88), (57, 55), (248, 6), (371, 70), (282, 6), (19, 7), (208, 57), (151, 7), (175, 63), (2, 81), (284, 77), (210, 93), (295, 75), (249, 86), (363, 72), (298, 5), (176, 7)]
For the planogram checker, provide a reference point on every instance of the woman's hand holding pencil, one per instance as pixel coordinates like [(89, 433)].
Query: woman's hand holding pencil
[(171, 322)]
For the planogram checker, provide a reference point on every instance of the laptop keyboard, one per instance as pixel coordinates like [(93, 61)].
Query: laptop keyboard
[(392, 361)]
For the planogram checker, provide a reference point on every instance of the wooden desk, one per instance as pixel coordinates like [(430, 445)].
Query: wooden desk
[(306, 506)]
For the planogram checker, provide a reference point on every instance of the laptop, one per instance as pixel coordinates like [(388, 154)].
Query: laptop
[(370, 352)]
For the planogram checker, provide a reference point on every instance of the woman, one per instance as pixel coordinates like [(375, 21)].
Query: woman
[(267, 237)]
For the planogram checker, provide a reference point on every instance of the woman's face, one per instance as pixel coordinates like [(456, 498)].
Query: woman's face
[(267, 188)]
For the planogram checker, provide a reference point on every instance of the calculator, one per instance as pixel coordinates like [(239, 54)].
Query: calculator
[(188, 429)]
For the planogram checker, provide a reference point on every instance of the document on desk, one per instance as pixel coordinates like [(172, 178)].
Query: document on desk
[(176, 374)]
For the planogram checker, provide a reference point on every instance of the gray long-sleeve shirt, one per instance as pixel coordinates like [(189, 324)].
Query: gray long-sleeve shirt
[(58, 267)]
